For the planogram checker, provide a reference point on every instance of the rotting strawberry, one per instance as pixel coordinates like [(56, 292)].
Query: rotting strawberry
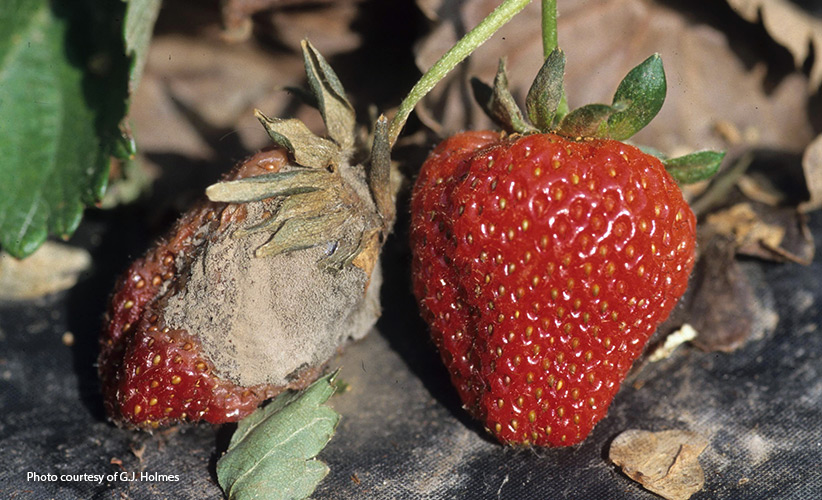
[(256, 288), (543, 262)]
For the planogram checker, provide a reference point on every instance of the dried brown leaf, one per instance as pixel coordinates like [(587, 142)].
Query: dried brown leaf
[(722, 303), (329, 28), (52, 268), (665, 462), (749, 231), (707, 82), (237, 14), (778, 234), (202, 79), (812, 167), (760, 190), (790, 26)]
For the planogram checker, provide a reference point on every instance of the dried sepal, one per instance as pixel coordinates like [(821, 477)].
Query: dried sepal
[(348, 248), (316, 207), (268, 186), (588, 121), (320, 199), (307, 148), (309, 204), (379, 175), (499, 103), (546, 91), (337, 112), (301, 233)]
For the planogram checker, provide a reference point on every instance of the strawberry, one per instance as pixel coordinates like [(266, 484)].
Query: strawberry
[(152, 374), (543, 262), (256, 288)]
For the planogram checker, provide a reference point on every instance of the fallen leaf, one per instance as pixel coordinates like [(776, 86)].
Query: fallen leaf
[(760, 191), (54, 267), (237, 14), (665, 462), (812, 166), (747, 228), (721, 302), (702, 91), (778, 234), (271, 454), (790, 26), (329, 28)]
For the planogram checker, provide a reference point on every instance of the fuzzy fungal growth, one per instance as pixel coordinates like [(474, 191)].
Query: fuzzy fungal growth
[(258, 286)]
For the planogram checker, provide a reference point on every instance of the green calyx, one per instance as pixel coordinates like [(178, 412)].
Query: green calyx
[(694, 167), (318, 198), (637, 100)]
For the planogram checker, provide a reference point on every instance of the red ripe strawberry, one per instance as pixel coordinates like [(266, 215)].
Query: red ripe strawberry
[(255, 289), (543, 264)]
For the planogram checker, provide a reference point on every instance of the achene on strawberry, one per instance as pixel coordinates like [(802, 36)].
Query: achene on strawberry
[(545, 256)]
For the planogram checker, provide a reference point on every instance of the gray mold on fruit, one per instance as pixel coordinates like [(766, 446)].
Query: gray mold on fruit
[(262, 320)]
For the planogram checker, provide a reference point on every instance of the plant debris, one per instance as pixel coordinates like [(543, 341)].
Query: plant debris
[(665, 462), (53, 268), (789, 26), (812, 166), (721, 303), (776, 234)]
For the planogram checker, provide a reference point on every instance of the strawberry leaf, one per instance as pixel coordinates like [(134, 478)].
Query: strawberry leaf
[(271, 454), (140, 18), (694, 167), (63, 79), (638, 99), (546, 92)]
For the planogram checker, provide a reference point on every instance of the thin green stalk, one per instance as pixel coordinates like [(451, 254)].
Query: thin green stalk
[(550, 41), (549, 26), (454, 56)]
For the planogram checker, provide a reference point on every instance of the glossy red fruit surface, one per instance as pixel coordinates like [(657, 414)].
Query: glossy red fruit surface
[(543, 266)]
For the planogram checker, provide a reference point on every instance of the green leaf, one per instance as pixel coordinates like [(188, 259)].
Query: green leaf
[(546, 92), (63, 79), (271, 454), (694, 167), (140, 18), (588, 121), (499, 104), (638, 99)]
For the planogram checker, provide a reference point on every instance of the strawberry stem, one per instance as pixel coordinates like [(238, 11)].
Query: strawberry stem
[(550, 41), (549, 26), (455, 55)]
